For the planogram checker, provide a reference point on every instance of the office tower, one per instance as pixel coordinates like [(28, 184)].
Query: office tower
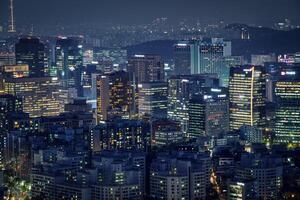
[(88, 79), (69, 61), (114, 96), (31, 51), (260, 60), (247, 96), (208, 113), (166, 132), (120, 134), (168, 136), (182, 58), (207, 56), (40, 96), (287, 109), (180, 90), (146, 68), (273, 70), (178, 176), (265, 170), (11, 18), (152, 100)]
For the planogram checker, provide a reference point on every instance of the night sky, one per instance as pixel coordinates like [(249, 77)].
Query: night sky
[(260, 12)]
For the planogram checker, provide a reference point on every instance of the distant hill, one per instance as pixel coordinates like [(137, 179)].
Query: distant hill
[(263, 41), (161, 47), (266, 40)]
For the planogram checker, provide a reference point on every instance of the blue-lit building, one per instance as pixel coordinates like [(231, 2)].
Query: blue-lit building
[(180, 90), (69, 61), (208, 56), (208, 113)]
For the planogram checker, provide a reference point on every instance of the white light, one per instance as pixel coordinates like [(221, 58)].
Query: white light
[(139, 56), (290, 73), (181, 45), (215, 90)]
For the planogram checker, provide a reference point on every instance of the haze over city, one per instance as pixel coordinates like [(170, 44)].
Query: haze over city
[(149, 99)]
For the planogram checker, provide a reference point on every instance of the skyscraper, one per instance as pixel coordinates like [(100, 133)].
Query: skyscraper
[(208, 113), (31, 51), (180, 90), (114, 96), (146, 68), (152, 100), (247, 96), (69, 61), (207, 56), (287, 111), (182, 58)]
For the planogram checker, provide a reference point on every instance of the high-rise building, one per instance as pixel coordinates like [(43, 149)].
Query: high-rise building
[(153, 100), (120, 134), (8, 104), (265, 170), (121, 175), (182, 58), (247, 96), (69, 61), (179, 176), (208, 113), (207, 56), (146, 68), (31, 51), (287, 109), (180, 90), (114, 96), (166, 132), (40, 96)]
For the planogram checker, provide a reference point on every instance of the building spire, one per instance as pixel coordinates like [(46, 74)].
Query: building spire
[(11, 20)]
